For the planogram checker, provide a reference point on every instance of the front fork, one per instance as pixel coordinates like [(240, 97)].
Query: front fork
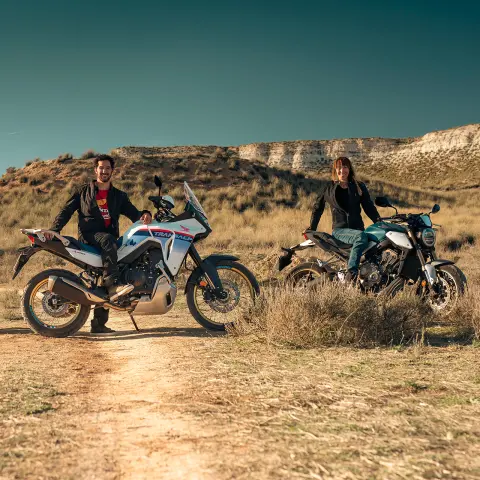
[(209, 270), (428, 270)]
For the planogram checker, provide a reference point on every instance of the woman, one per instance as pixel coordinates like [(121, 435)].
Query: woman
[(345, 196)]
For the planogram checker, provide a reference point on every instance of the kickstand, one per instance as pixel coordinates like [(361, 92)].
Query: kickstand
[(133, 320)]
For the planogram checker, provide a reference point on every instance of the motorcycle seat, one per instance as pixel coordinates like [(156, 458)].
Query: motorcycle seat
[(332, 240), (82, 246), (88, 248)]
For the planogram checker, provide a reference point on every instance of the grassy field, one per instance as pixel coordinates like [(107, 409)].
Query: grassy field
[(281, 405)]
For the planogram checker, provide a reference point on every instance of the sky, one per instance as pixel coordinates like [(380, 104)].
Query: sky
[(78, 75)]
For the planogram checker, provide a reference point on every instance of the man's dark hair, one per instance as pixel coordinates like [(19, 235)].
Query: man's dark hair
[(99, 158)]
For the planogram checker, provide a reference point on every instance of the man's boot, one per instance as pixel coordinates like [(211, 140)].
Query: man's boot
[(98, 327)]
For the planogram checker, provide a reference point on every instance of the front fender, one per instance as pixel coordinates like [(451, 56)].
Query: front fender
[(439, 262), (208, 267)]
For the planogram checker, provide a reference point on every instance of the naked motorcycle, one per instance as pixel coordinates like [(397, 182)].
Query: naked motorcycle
[(57, 303), (401, 251)]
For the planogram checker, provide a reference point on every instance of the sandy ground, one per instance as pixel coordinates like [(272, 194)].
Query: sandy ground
[(123, 387)]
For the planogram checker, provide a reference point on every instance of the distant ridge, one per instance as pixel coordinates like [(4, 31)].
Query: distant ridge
[(437, 157), (445, 160)]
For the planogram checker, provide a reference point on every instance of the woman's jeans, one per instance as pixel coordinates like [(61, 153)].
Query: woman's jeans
[(359, 241)]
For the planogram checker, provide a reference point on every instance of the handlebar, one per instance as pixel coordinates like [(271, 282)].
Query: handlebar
[(399, 217)]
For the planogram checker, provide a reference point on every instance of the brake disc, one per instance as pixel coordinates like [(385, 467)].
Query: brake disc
[(229, 302), (55, 306)]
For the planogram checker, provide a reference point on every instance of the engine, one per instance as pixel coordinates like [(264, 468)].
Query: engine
[(143, 273), (375, 271)]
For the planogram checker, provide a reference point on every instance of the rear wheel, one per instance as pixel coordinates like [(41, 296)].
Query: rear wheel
[(50, 314), (307, 274), (240, 290)]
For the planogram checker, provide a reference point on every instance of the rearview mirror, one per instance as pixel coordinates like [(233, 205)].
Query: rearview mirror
[(436, 208), (157, 181), (382, 202)]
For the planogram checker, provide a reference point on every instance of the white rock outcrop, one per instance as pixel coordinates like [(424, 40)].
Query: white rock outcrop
[(438, 156), (443, 148)]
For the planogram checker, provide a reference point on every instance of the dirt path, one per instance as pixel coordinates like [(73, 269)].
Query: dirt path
[(139, 420), (124, 398)]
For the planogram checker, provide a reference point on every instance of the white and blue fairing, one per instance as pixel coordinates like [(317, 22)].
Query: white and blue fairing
[(174, 238)]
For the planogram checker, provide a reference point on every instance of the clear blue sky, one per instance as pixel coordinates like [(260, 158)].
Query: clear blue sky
[(87, 74)]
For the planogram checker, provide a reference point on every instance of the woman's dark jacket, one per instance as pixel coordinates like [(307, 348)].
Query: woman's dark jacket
[(340, 217), (90, 219)]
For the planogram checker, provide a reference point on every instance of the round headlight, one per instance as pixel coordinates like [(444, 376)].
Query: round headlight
[(428, 237)]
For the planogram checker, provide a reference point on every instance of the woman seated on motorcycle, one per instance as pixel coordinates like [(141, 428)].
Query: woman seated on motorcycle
[(346, 195)]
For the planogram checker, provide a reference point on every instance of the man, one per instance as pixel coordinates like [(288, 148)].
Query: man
[(99, 205)]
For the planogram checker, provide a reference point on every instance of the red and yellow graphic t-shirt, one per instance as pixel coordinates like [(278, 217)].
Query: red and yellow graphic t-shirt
[(103, 206)]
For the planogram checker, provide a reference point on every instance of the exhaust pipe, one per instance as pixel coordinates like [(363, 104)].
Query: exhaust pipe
[(73, 291)]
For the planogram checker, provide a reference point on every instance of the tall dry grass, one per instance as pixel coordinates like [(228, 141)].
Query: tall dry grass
[(332, 315), (265, 210)]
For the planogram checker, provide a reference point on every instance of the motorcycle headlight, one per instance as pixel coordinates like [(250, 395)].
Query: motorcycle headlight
[(428, 237)]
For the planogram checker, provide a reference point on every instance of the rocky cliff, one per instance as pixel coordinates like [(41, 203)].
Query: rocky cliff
[(443, 158)]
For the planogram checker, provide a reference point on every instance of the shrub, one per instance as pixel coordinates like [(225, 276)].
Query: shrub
[(234, 164), (35, 181), (11, 170), (219, 153), (89, 154), (327, 315), (64, 157)]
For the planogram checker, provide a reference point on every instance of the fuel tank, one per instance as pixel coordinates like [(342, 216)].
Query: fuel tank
[(379, 230)]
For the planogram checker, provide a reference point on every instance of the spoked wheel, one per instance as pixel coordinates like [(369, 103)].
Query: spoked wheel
[(240, 288), (307, 275), (49, 314)]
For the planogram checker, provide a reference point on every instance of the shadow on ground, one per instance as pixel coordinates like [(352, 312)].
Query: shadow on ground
[(128, 334)]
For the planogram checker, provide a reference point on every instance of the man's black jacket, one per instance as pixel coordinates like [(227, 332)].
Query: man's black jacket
[(90, 219), (340, 217)]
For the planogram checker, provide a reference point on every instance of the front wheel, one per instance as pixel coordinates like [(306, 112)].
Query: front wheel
[(451, 286), (240, 287), (50, 314)]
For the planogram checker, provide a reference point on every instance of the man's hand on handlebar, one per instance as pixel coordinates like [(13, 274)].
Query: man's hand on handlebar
[(146, 218)]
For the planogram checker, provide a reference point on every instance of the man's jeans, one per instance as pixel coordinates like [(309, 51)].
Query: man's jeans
[(108, 245), (359, 241)]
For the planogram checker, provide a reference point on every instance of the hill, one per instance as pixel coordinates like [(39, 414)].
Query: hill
[(436, 160)]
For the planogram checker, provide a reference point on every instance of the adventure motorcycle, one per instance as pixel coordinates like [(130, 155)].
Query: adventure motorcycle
[(401, 251), (56, 303)]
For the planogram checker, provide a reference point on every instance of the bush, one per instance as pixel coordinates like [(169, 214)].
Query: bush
[(234, 164), (218, 153), (89, 154), (64, 157), (327, 316), (11, 170)]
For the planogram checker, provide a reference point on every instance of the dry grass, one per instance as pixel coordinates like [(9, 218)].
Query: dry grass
[(41, 424), (327, 315), (320, 411), (10, 304), (339, 413)]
